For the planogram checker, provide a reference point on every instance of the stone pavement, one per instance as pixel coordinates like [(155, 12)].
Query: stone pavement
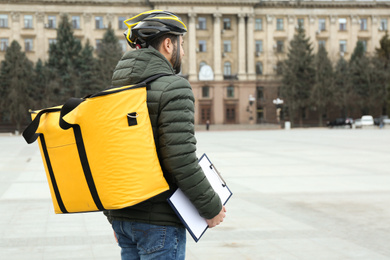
[(298, 194)]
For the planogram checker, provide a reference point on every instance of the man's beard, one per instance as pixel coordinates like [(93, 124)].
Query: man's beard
[(177, 68)]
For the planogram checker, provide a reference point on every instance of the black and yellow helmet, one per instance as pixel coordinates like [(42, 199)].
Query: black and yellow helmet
[(145, 27)]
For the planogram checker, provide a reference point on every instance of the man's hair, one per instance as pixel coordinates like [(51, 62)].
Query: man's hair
[(156, 43)]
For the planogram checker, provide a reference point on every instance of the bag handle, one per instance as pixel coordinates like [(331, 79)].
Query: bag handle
[(29, 133), (69, 105)]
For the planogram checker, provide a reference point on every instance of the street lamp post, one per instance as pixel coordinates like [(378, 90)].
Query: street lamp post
[(278, 103)]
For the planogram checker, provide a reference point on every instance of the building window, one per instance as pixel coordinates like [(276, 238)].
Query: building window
[(279, 46), (279, 24), (98, 44), (301, 22), (322, 43), (121, 23), (321, 24), (363, 24), (99, 22), (202, 23), (52, 41), (230, 91), (51, 22), (28, 21), (383, 26), (343, 46), (259, 68), (227, 68), (28, 45), (259, 24), (3, 20), (202, 46), (227, 24), (227, 46), (259, 46), (205, 91), (342, 24), (123, 44), (3, 44), (364, 42), (260, 92), (76, 22)]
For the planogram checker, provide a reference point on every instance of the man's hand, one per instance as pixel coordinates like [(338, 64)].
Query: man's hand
[(217, 219)]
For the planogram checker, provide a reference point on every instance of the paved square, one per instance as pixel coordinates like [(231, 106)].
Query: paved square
[(298, 194)]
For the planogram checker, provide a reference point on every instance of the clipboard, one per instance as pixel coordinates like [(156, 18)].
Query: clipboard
[(186, 211)]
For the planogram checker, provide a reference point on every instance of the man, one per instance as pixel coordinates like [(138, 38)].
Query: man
[(151, 229)]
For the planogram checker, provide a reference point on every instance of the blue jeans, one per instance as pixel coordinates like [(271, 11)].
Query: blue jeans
[(145, 241)]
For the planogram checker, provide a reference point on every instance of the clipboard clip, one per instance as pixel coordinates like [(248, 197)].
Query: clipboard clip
[(212, 167)]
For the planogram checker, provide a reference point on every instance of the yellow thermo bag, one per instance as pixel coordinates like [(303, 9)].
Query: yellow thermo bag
[(99, 152)]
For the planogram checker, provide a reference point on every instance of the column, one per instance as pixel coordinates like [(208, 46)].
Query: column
[(353, 33), (40, 44), (333, 39), (217, 47), (88, 28), (374, 34), (291, 30), (251, 48), (16, 28), (192, 72), (270, 47), (241, 47)]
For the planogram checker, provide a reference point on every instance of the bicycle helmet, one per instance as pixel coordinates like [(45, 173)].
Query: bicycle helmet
[(145, 27)]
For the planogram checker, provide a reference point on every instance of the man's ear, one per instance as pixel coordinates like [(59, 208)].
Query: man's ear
[(166, 46)]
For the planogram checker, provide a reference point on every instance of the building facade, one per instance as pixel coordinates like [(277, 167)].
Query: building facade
[(232, 47)]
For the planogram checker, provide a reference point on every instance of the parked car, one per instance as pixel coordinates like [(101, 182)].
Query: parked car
[(340, 122), (365, 121)]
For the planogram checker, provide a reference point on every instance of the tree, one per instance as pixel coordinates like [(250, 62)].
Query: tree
[(109, 53), (383, 64), (64, 60), (360, 78), (89, 82), (16, 75), (342, 91), (298, 75), (322, 92)]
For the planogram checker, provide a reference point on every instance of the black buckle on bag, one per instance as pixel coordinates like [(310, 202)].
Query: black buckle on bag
[(132, 118)]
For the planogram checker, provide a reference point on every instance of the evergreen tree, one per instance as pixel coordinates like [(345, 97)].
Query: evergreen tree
[(322, 92), (45, 95), (88, 72), (383, 64), (379, 81), (298, 75), (64, 60), (360, 77), (16, 75), (109, 53), (342, 91), (383, 52)]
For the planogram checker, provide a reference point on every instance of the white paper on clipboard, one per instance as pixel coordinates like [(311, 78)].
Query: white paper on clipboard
[(195, 224)]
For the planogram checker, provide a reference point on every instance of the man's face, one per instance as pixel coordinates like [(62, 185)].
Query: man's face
[(177, 68)]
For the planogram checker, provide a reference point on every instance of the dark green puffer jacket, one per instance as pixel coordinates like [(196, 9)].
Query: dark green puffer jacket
[(171, 107)]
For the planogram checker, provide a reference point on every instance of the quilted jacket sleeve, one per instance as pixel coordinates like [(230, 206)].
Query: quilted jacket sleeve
[(177, 146)]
